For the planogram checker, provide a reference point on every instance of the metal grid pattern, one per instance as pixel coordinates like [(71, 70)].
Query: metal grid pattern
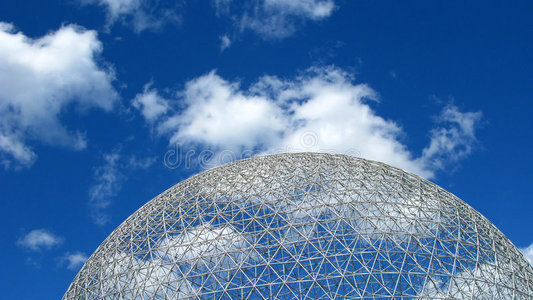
[(305, 225)]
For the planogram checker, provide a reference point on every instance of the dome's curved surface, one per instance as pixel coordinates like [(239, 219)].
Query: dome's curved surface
[(305, 225)]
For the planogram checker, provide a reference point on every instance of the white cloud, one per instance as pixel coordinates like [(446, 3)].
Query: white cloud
[(151, 105), (219, 114), (313, 9), (269, 18), (141, 162), (221, 247), (21, 153), (274, 18), (39, 239), (108, 182), (140, 14), (217, 248), (321, 110), (120, 7), (455, 140), (528, 253), (74, 260), (108, 179), (143, 275), (39, 79), (225, 42)]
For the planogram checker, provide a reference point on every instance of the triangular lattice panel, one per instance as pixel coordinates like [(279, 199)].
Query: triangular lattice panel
[(295, 226)]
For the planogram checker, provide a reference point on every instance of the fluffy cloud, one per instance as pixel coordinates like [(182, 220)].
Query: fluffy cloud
[(74, 260), (39, 239), (528, 253), (274, 18), (455, 140), (140, 14), (19, 152), (209, 245), (199, 247), (143, 275), (225, 42), (39, 79), (321, 110), (219, 114), (150, 104)]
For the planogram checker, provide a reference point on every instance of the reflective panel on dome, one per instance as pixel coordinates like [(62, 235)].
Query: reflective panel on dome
[(306, 225)]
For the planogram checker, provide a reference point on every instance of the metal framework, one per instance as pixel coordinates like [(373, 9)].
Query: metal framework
[(305, 225)]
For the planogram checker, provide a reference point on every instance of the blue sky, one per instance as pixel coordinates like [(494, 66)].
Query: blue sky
[(104, 104)]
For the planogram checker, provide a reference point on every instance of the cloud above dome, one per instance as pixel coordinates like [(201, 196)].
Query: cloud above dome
[(320, 110)]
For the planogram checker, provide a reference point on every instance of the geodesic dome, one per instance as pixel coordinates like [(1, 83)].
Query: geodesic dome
[(308, 225)]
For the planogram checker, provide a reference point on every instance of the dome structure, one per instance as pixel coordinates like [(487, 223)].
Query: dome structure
[(305, 225)]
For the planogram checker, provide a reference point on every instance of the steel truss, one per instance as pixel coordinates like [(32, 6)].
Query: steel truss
[(306, 225)]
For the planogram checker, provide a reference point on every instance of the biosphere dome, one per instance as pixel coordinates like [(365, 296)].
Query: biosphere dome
[(307, 225)]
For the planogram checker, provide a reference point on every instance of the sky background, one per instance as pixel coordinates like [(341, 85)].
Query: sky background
[(104, 104)]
